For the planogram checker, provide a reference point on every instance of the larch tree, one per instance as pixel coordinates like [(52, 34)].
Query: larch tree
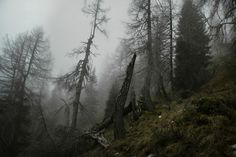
[(222, 19), (141, 38), (192, 49), (24, 59), (77, 78)]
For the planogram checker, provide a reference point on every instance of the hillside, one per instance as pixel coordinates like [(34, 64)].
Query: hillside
[(202, 125)]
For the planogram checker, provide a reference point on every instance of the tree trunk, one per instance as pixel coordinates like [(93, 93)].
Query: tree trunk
[(171, 47), (134, 107), (148, 104), (119, 130), (108, 121), (84, 66), (80, 84)]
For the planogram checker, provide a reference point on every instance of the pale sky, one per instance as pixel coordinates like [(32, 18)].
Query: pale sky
[(65, 25)]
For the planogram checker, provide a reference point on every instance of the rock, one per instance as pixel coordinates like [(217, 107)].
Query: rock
[(234, 146)]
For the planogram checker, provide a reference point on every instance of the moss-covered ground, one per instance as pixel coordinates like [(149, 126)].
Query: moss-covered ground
[(203, 125)]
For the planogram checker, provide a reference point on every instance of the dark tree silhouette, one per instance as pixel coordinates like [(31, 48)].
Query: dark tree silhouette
[(192, 50)]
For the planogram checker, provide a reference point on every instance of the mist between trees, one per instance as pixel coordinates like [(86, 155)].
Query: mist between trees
[(168, 53)]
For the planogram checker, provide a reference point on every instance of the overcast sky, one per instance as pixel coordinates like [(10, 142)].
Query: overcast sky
[(65, 26)]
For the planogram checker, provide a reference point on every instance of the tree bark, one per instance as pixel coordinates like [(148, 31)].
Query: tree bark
[(148, 104), (84, 66), (134, 107), (119, 130), (171, 46), (108, 121), (80, 84)]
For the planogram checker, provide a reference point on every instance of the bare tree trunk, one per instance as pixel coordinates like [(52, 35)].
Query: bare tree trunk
[(148, 104), (80, 84), (43, 118), (171, 47), (108, 121), (157, 62), (119, 130), (67, 113), (134, 107), (84, 66), (45, 126)]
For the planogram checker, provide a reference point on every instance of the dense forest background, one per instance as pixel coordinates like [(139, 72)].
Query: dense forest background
[(168, 89)]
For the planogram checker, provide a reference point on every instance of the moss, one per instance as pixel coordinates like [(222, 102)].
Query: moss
[(202, 126), (199, 124)]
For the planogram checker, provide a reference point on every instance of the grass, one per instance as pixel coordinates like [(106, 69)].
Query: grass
[(203, 125)]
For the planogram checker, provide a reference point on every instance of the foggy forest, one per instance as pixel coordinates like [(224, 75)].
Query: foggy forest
[(117, 78)]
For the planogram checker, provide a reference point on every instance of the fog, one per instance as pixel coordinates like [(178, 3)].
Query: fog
[(65, 25), (110, 78)]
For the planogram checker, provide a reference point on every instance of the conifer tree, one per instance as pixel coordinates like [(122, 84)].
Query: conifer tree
[(192, 50)]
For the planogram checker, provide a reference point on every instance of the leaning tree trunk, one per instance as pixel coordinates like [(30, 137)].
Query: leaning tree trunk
[(119, 130), (84, 65), (80, 84)]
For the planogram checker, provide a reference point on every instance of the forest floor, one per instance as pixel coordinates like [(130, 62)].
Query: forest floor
[(202, 125)]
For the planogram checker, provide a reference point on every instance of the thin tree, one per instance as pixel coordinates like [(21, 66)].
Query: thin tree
[(141, 38), (171, 43), (77, 77), (161, 51)]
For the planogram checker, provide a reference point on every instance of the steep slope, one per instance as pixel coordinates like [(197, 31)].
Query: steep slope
[(203, 125)]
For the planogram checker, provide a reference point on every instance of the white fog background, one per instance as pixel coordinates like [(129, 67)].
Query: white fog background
[(65, 26)]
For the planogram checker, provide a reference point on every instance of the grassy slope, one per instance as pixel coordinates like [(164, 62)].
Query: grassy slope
[(203, 125)]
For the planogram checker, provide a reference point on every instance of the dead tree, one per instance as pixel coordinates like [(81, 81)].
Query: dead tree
[(119, 130)]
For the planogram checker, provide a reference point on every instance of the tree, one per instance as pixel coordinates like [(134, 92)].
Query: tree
[(192, 50), (222, 11), (141, 28), (24, 59), (161, 53), (76, 78), (110, 104), (171, 42), (89, 110), (119, 130)]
